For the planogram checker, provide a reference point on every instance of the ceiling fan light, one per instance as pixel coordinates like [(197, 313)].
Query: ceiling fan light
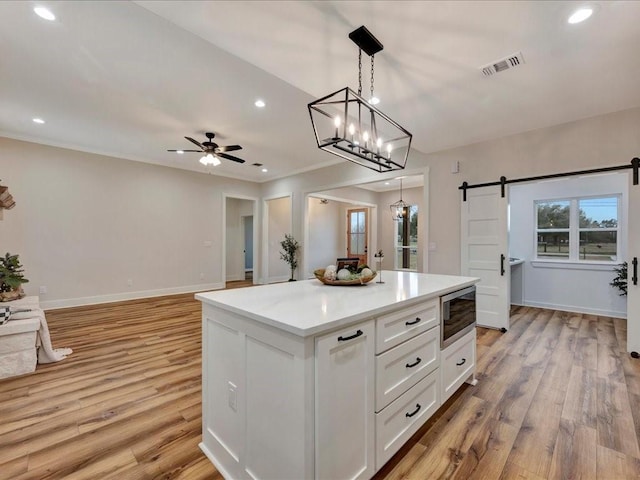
[(215, 161), (203, 160)]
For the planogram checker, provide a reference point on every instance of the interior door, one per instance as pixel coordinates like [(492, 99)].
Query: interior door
[(357, 234), (485, 253), (633, 257)]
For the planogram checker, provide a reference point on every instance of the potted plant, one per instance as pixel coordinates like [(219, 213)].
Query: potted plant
[(11, 278), (620, 281), (290, 247)]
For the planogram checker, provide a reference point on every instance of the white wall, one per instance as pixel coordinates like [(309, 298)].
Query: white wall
[(565, 286), (84, 225)]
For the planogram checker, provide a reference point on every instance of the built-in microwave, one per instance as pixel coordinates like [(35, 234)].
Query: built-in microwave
[(458, 310)]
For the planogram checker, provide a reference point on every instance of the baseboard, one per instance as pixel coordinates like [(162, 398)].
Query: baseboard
[(119, 297), (278, 279), (576, 309)]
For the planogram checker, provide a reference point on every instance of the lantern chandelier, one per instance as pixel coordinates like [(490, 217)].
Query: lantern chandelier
[(399, 208), (347, 125)]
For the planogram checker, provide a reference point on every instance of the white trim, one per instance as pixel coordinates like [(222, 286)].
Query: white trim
[(571, 265), (119, 297), (576, 309)]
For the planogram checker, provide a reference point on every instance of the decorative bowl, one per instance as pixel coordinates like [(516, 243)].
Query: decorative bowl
[(319, 273)]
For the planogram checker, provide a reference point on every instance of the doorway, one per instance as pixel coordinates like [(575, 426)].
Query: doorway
[(247, 226), (239, 238), (358, 234)]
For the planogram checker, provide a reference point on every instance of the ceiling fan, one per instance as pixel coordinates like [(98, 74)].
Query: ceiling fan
[(212, 150)]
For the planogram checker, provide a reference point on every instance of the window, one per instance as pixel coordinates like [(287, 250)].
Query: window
[(578, 229), (407, 239)]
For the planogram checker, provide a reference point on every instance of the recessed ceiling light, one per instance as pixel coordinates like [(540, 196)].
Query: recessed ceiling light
[(45, 13), (264, 170), (580, 15), (179, 152), (386, 183), (38, 120), (259, 103)]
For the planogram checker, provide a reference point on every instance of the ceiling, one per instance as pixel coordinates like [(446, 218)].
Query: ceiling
[(131, 79)]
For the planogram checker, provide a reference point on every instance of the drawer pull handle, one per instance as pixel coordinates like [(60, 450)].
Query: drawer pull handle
[(418, 319), (418, 407), (462, 362), (411, 365), (351, 337)]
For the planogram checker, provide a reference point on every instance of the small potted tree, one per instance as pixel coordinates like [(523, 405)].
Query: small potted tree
[(290, 254), (11, 278)]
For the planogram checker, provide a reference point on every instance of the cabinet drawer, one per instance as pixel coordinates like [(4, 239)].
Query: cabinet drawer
[(400, 420), (402, 367), (458, 362), (396, 327)]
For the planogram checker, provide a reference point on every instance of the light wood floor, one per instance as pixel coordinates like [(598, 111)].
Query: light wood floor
[(557, 398)]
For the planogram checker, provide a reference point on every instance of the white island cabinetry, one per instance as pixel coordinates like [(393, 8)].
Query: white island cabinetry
[(302, 380)]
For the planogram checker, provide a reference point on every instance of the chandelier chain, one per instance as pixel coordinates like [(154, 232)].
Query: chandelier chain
[(372, 76), (359, 71)]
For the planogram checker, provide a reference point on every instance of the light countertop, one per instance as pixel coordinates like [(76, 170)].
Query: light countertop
[(309, 307)]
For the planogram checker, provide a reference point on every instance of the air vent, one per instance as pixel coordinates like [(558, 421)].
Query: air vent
[(503, 64)]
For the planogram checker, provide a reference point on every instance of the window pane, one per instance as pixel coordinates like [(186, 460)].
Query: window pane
[(407, 258), (598, 212), (553, 244), (598, 246), (357, 244), (553, 214)]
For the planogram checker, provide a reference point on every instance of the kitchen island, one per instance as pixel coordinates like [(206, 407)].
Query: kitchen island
[(302, 380)]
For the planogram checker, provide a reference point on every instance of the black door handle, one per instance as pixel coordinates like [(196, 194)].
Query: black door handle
[(351, 337), (462, 362), (411, 365), (634, 262), (502, 258), (418, 319), (418, 407)]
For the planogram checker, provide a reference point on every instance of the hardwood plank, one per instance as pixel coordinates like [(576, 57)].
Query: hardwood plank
[(580, 402), (574, 455), (127, 403), (615, 425), (615, 465)]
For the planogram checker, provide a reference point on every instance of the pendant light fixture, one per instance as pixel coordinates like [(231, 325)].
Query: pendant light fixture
[(398, 208), (349, 126)]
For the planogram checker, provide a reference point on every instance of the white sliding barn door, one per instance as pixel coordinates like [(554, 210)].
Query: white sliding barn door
[(485, 253), (633, 291)]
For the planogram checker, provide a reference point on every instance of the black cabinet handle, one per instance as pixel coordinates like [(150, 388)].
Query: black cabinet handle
[(350, 337), (411, 365), (418, 407), (462, 362), (502, 258), (634, 262), (418, 319)]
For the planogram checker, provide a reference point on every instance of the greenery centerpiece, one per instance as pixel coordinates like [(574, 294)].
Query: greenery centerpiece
[(11, 278), (290, 254)]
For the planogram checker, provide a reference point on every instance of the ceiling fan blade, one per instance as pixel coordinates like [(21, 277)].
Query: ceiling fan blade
[(195, 142), (183, 150), (228, 148), (230, 157)]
